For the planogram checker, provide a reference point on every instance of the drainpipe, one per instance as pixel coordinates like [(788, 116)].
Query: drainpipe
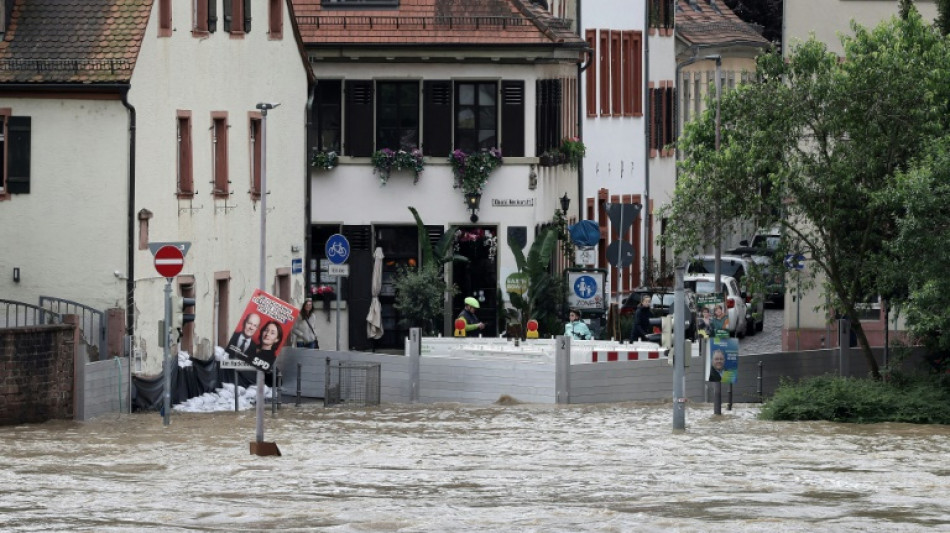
[(580, 122), (130, 252), (308, 190), (647, 247)]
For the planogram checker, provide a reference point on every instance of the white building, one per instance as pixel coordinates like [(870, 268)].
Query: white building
[(142, 127)]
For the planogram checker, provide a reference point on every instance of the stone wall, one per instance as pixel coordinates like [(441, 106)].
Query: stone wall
[(37, 372)]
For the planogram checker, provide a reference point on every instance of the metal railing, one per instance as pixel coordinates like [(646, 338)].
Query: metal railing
[(92, 322), (15, 314)]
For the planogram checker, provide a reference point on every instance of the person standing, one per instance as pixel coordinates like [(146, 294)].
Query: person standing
[(576, 328), (472, 322), (641, 320), (305, 331)]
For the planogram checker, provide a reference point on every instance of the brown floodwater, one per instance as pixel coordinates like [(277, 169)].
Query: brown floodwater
[(449, 467)]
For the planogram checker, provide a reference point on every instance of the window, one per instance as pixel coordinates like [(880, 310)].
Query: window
[(397, 115), (469, 115), (14, 153), (204, 17), (618, 68), (476, 124), (186, 181), (219, 152), (256, 151), (165, 18), (687, 92), (661, 119), (237, 16), (275, 19), (615, 74), (327, 116)]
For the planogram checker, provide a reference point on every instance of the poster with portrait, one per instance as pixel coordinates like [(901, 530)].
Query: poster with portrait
[(722, 360), (263, 329)]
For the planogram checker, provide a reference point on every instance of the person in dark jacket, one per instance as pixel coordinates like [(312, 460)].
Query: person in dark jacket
[(641, 321)]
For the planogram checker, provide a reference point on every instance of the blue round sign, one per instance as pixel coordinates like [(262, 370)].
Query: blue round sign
[(338, 249), (585, 287)]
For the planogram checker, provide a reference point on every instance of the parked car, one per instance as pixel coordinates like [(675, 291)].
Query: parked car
[(661, 305), (748, 273), (763, 249), (734, 301)]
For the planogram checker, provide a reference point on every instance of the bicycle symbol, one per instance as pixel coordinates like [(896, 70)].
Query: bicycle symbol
[(336, 249)]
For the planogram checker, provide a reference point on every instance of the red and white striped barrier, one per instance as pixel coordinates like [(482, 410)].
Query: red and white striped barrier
[(623, 355)]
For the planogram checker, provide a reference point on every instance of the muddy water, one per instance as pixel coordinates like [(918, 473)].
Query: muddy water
[(615, 467)]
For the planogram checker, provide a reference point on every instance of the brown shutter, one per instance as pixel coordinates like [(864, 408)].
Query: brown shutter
[(512, 118), (359, 118), (437, 118)]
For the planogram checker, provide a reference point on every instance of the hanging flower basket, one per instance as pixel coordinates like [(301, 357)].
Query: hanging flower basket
[(472, 170), (325, 160), (385, 161), (573, 151)]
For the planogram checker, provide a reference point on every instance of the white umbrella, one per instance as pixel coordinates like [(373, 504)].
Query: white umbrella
[(374, 320)]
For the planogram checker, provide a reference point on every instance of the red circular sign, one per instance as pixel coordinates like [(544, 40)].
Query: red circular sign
[(169, 261)]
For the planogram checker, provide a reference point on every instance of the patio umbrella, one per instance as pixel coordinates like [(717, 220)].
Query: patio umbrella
[(374, 320)]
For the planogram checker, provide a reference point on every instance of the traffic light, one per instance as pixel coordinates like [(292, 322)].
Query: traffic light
[(179, 315)]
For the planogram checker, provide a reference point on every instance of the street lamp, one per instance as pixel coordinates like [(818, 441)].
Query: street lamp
[(472, 200), (565, 204), (264, 108)]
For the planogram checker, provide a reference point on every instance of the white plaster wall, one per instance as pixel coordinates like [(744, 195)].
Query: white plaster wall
[(828, 19), (67, 235), (217, 73)]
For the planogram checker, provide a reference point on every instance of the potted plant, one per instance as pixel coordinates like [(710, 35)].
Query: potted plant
[(471, 170), (547, 159), (385, 161), (573, 150), (325, 160)]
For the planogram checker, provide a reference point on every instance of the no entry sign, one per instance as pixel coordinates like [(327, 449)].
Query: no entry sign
[(169, 261)]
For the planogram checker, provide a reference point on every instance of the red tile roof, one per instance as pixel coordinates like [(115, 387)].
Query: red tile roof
[(711, 22), (79, 41), (434, 22)]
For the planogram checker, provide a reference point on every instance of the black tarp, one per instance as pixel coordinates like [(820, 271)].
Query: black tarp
[(187, 382)]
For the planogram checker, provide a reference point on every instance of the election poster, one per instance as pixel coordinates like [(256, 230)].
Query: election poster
[(263, 329)]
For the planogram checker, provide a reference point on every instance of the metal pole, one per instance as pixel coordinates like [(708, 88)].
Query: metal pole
[(718, 219), (260, 373), (679, 355), (165, 350), (338, 288), (798, 311), (299, 370)]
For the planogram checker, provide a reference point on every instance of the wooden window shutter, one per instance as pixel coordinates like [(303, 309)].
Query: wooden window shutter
[(591, 75), (228, 14), (616, 87), (359, 118), (540, 114), (604, 53), (437, 118), (669, 111), (18, 153), (512, 118)]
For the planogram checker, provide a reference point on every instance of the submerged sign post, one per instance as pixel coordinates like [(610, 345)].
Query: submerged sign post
[(169, 262), (338, 251)]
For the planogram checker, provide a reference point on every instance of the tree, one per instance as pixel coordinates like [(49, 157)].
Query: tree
[(540, 301), (421, 292), (943, 16), (814, 147), (764, 13)]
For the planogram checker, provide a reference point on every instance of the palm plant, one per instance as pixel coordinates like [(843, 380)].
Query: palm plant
[(541, 301)]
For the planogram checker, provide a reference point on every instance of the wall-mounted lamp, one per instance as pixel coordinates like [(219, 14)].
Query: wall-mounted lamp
[(565, 204), (16, 274), (472, 200)]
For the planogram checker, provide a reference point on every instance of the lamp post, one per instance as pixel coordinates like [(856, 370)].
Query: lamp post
[(565, 204), (264, 107), (472, 200)]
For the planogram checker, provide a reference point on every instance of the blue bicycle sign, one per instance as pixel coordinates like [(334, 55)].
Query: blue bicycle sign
[(338, 249)]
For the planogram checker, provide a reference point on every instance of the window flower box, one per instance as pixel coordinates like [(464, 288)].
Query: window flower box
[(385, 161)]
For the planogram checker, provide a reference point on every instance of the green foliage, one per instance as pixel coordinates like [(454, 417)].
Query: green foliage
[(574, 150), (385, 161), (923, 400), (442, 251), (545, 291), (814, 147), (420, 297), (472, 170), (943, 17), (325, 160)]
